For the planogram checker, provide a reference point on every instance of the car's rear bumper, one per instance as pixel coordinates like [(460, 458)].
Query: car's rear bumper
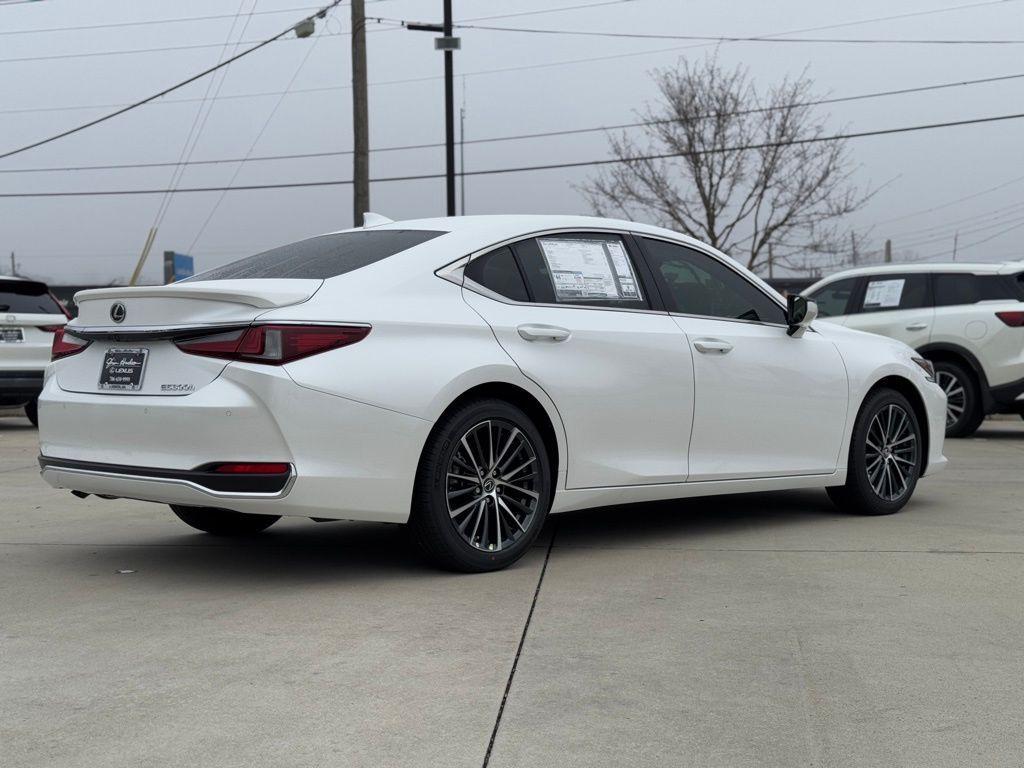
[(170, 485), (349, 460), (18, 387)]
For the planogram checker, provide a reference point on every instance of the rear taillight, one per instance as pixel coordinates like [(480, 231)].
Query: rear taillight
[(252, 468), (1012, 319), (50, 328), (65, 345), (274, 344)]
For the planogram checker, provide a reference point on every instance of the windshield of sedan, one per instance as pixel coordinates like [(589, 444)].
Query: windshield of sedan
[(319, 258)]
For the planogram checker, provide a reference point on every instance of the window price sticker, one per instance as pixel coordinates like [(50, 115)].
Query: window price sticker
[(589, 269), (884, 294)]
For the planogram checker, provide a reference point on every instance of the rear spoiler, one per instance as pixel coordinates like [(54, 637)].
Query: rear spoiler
[(261, 296)]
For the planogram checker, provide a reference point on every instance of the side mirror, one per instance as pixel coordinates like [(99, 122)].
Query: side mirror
[(800, 313)]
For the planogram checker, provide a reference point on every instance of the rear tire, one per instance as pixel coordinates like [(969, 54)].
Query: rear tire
[(963, 407), (32, 411), (886, 456), (483, 488), (223, 522)]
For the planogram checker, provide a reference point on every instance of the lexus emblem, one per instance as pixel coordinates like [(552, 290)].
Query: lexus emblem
[(117, 312)]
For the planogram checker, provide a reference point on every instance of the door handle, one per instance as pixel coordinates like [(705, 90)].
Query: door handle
[(551, 333), (917, 326), (712, 345)]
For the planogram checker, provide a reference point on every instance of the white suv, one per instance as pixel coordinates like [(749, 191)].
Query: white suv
[(29, 316), (968, 319)]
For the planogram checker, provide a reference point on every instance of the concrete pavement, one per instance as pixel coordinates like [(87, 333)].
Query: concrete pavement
[(743, 630)]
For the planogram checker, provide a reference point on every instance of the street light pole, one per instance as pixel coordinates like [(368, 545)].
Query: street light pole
[(448, 44)]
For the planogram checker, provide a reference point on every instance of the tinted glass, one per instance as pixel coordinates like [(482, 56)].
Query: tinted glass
[(954, 289), (28, 297), (696, 284), (834, 299), (321, 257), (893, 292), (497, 271), (586, 268)]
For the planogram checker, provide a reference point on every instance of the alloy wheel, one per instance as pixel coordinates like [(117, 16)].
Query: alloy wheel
[(891, 452), (956, 396), (492, 485)]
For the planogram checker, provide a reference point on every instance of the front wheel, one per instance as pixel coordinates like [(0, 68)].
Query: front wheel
[(223, 522), (483, 488), (886, 457)]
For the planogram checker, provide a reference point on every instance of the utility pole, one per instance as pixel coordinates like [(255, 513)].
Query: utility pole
[(888, 251), (449, 109), (14, 267), (771, 262), (956, 241), (360, 117), (462, 152), (853, 249)]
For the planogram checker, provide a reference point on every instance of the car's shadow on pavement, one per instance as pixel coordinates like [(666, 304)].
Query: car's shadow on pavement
[(688, 522), (297, 552), (15, 424)]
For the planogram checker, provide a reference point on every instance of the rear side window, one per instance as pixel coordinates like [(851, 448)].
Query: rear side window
[(953, 289), (891, 292), (498, 271), (27, 297), (583, 269), (319, 258), (834, 299)]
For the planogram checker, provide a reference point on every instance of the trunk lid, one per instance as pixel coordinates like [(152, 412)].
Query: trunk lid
[(132, 332)]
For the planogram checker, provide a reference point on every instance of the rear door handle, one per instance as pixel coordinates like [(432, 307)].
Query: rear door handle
[(917, 326), (538, 332), (716, 346)]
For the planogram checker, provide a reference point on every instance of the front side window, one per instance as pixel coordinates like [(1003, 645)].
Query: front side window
[(834, 299), (319, 258), (694, 283), (882, 294), (583, 269)]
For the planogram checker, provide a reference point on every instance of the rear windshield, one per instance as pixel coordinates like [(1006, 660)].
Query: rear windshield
[(27, 297), (322, 257)]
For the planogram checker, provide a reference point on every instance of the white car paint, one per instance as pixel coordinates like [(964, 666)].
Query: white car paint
[(25, 341), (971, 330), (638, 413)]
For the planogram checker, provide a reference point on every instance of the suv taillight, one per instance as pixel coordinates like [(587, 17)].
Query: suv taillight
[(274, 344), (64, 345), (1012, 319)]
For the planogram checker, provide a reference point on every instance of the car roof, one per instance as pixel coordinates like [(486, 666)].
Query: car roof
[(487, 229), (975, 268)]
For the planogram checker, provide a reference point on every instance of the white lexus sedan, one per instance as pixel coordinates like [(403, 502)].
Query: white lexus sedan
[(469, 376)]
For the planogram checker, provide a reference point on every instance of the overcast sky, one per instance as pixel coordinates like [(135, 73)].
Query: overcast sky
[(548, 82)]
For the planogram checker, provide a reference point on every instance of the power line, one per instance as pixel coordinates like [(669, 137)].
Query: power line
[(947, 204), (739, 39), (120, 24), (541, 65), (551, 166), (164, 92), (524, 136)]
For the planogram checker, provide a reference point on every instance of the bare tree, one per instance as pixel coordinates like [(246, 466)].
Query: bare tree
[(737, 169)]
